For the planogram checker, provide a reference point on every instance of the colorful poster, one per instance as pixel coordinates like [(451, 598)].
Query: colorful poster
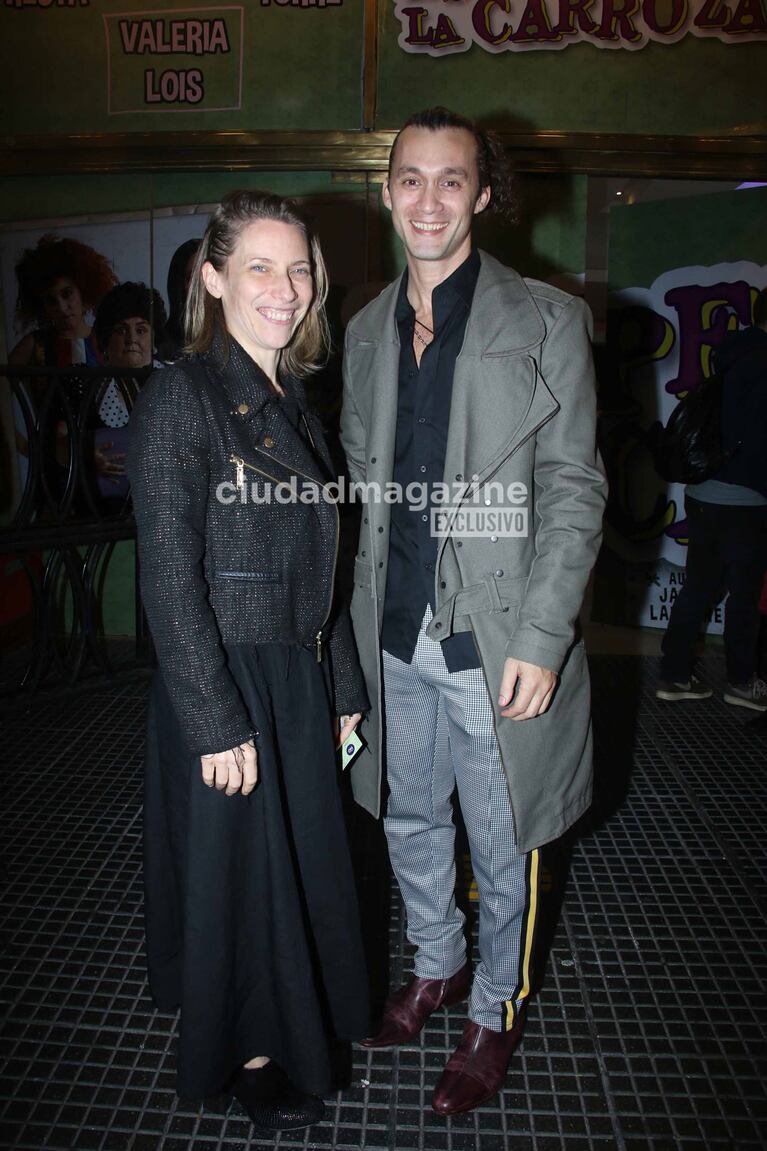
[(661, 343)]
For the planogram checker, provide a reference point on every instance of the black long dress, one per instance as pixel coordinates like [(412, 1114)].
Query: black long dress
[(251, 911)]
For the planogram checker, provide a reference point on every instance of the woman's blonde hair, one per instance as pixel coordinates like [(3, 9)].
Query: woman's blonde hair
[(203, 315)]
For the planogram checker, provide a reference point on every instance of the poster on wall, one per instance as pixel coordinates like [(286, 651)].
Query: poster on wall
[(662, 341), (444, 27), (82, 293), (98, 254)]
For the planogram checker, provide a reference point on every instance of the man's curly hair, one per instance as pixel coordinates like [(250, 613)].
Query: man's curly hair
[(494, 166), (55, 258)]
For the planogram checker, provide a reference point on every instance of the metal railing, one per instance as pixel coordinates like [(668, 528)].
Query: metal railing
[(66, 509)]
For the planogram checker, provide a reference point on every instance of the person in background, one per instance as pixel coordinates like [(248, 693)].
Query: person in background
[(179, 277), (727, 533), (60, 281), (129, 324), (251, 915)]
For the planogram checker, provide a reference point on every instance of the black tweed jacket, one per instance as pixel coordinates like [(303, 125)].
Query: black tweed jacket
[(218, 568)]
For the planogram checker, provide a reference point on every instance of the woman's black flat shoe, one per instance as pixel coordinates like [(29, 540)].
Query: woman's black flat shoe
[(273, 1102)]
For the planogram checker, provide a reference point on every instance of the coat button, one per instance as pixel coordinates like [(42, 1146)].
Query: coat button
[(372, 459), (380, 529), (437, 626), (243, 409), (268, 442), (442, 583), (366, 519), (459, 476), (380, 563), (499, 573), (363, 553), (493, 539)]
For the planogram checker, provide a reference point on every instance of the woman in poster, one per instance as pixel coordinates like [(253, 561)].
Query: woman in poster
[(60, 281), (251, 913)]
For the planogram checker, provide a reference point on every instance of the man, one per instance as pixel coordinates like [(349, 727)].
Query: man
[(727, 533), (462, 373)]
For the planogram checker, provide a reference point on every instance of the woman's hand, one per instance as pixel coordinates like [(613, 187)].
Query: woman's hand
[(347, 724), (232, 771)]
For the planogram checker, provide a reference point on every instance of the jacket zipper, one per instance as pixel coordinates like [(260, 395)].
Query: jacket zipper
[(240, 464)]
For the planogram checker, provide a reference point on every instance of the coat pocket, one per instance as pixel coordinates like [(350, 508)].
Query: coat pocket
[(249, 577), (363, 575)]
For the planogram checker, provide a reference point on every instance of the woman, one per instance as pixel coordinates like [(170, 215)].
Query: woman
[(250, 904), (129, 323), (60, 281)]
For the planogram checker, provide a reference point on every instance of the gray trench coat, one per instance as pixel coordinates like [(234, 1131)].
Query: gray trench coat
[(522, 413)]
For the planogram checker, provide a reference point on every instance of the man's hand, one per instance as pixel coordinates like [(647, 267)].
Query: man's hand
[(534, 688), (232, 771)]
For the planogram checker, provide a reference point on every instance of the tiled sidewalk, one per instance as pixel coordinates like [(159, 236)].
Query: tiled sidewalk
[(649, 1029)]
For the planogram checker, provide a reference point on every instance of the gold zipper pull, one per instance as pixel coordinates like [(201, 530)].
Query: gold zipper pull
[(318, 645), (240, 480)]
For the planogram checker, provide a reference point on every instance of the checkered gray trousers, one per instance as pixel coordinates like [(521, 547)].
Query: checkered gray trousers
[(441, 733)]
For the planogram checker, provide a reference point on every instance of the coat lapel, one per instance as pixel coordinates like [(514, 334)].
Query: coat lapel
[(499, 397), (256, 410), (374, 367)]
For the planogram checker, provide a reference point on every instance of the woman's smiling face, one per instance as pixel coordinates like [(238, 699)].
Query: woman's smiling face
[(265, 289)]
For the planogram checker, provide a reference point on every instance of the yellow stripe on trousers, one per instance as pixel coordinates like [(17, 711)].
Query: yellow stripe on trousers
[(528, 938)]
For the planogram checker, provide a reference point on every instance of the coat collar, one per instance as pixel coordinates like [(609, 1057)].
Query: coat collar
[(504, 319), (256, 409)]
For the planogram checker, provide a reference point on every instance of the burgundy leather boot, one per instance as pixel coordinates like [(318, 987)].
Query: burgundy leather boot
[(477, 1067), (407, 1010)]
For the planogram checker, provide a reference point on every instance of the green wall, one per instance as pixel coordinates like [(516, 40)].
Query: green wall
[(302, 68), (648, 239), (691, 87)]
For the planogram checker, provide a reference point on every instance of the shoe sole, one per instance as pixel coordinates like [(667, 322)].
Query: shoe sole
[(736, 701), (672, 696)]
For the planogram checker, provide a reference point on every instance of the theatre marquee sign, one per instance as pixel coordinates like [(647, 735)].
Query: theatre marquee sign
[(442, 27)]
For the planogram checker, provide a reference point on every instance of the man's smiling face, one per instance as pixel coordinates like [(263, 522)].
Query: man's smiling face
[(433, 194)]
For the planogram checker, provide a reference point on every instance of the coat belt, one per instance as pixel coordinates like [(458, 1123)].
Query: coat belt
[(477, 597)]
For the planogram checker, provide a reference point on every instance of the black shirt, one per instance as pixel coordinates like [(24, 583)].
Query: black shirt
[(423, 418)]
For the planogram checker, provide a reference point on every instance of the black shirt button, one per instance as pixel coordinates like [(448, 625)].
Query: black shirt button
[(380, 563), (442, 583), (437, 626), (372, 459), (381, 529), (363, 553), (459, 543), (366, 519)]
